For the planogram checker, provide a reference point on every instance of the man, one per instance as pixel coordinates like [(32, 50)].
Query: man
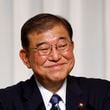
[(48, 51)]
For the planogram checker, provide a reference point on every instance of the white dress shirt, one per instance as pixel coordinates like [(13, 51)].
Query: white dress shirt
[(46, 95)]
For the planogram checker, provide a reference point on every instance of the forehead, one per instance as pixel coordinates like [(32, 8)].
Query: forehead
[(50, 35)]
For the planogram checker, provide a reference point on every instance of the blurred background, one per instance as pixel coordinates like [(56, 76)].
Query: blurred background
[(90, 20)]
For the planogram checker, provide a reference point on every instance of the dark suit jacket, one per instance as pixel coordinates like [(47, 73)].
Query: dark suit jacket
[(93, 93)]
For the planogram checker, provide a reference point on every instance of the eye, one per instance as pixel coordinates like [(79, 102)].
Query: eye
[(62, 44), (43, 48)]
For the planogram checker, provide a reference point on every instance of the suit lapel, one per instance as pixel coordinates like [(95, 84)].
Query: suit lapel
[(74, 95), (31, 96), (32, 99)]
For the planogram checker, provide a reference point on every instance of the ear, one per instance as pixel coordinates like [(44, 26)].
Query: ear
[(73, 45), (24, 57)]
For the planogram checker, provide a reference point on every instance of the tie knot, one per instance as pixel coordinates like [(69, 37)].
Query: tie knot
[(55, 99)]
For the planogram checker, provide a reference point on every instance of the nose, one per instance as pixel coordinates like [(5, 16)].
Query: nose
[(54, 55)]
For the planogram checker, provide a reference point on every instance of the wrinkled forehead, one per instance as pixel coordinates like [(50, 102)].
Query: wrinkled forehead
[(51, 35), (43, 28)]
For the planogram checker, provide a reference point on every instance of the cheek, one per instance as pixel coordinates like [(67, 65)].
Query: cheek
[(37, 60), (69, 55)]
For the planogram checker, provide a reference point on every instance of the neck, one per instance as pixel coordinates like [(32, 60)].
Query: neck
[(52, 85)]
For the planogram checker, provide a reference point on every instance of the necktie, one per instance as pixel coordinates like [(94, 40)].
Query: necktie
[(55, 101)]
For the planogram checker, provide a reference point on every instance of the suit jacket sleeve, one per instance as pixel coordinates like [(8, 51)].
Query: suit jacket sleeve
[(1, 103), (106, 102), (98, 93)]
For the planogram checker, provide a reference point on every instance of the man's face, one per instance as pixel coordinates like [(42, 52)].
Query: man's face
[(51, 54)]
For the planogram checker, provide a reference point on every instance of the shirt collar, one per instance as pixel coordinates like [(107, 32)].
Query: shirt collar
[(46, 94)]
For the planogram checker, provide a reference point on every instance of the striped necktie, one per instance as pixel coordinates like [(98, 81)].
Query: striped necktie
[(55, 102)]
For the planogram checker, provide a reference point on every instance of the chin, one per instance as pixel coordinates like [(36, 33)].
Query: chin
[(58, 78)]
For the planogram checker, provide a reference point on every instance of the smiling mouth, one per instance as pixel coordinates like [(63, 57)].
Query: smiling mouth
[(56, 65)]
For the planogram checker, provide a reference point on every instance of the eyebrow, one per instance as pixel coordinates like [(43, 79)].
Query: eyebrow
[(41, 43), (62, 38)]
